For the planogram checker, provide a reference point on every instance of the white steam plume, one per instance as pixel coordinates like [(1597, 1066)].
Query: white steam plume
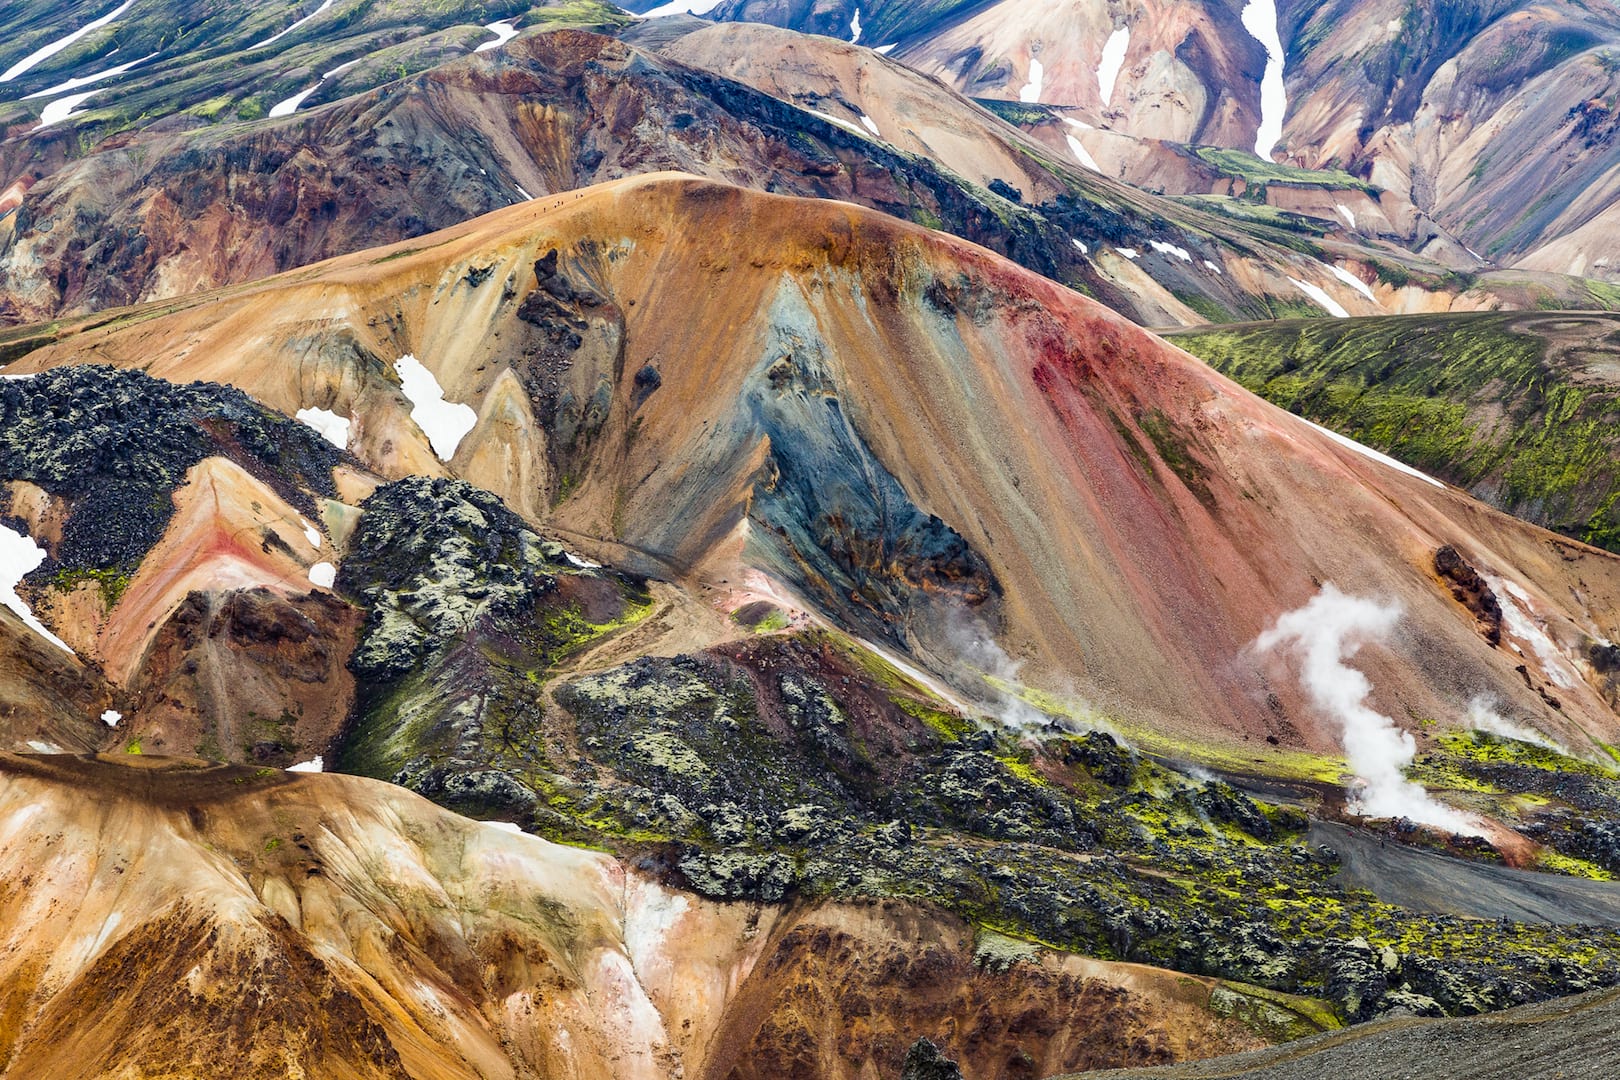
[(1482, 716), (1325, 633), (975, 648)]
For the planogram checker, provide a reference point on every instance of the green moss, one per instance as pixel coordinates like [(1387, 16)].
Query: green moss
[(1246, 166), (1477, 400), (112, 581)]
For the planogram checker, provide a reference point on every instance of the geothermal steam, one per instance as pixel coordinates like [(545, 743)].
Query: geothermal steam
[(1323, 634)]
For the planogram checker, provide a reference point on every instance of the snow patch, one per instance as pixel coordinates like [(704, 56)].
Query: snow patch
[(445, 423), (46, 52), (1030, 92), (323, 575), (681, 7), (1113, 59), (504, 31), (1260, 20), (1212, 267), (831, 119), (111, 717), (526, 196), (277, 37), (332, 427), (43, 747), (1081, 155), (885, 50), (19, 557), (311, 533), (871, 125), (74, 84), (1319, 294), (1129, 253), (64, 108), (1367, 451), (1083, 249), (1348, 214), (1354, 282), (1519, 613), (582, 563), (1170, 249), (315, 764), (855, 28), (288, 106)]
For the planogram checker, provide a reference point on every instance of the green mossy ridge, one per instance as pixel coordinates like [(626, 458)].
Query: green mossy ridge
[(1246, 166), (1481, 400)]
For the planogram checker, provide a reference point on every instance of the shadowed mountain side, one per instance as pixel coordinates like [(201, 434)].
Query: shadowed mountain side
[(908, 432)]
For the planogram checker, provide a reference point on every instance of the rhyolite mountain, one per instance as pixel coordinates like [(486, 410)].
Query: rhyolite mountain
[(1482, 131), (864, 621), (224, 156), (691, 522)]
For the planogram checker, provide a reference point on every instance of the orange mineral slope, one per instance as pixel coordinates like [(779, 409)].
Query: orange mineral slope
[(913, 436)]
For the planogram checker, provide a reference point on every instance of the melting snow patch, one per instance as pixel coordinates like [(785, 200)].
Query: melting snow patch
[(503, 31), (64, 108), (19, 556), (323, 575), (1367, 451), (583, 564), (312, 534), (74, 84), (61, 43), (885, 50), (1113, 58), (1083, 249), (1031, 91), (313, 765), (43, 747), (1522, 622), (111, 717), (1319, 294), (445, 423), (523, 193), (871, 125), (1260, 20), (1170, 249), (681, 7), (1129, 253), (1354, 282), (1211, 266), (1348, 215), (332, 427), (277, 37), (288, 106), (1081, 155), (855, 28), (831, 119)]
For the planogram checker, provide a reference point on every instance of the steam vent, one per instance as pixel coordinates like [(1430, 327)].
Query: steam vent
[(787, 540)]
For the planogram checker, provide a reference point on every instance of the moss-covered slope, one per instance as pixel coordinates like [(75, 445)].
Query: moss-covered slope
[(1519, 408)]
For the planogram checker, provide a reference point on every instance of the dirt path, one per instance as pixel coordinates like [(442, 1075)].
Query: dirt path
[(1428, 881)]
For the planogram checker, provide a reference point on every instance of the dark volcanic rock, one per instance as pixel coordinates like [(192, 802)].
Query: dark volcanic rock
[(116, 444)]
